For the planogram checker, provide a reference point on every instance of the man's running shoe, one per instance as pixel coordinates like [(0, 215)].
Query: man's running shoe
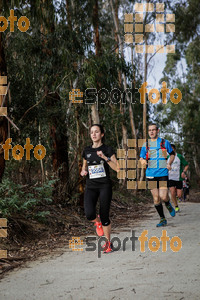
[(99, 228), (107, 247), (163, 222), (177, 209), (171, 210)]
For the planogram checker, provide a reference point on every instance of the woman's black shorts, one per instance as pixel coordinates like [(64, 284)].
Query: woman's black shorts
[(91, 196)]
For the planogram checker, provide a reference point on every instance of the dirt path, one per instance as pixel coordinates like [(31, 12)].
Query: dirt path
[(119, 275)]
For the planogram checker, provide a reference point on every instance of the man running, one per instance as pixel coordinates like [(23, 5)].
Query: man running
[(176, 176), (153, 154)]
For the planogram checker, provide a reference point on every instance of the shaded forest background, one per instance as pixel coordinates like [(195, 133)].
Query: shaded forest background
[(80, 45)]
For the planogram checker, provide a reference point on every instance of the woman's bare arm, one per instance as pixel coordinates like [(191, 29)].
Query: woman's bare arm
[(113, 163), (84, 168)]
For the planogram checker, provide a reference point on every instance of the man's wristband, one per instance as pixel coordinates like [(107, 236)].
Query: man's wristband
[(184, 172), (108, 159)]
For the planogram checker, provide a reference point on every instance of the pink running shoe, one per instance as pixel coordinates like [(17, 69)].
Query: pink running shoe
[(107, 247), (99, 228)]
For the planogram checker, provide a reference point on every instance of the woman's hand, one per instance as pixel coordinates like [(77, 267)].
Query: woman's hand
[(100, 154), (83, 173), (84, 168)]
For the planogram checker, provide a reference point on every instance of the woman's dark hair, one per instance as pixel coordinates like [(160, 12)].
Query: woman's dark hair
[(101, 129), (173, 146)]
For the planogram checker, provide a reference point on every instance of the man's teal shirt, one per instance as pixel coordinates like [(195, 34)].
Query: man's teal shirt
[(157, 164)]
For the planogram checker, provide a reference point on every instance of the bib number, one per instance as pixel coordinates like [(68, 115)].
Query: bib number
[(96, 171)]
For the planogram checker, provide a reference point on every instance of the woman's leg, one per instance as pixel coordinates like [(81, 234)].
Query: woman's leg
[(90, 201), (105, 198)]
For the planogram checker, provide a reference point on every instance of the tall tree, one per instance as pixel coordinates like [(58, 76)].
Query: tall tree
[(3, 120), (95, 20)]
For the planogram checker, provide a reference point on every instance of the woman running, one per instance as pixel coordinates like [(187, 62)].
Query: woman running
[(97, 159)]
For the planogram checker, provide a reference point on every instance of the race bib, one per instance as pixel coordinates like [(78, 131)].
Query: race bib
[(174, 169), (96, 171)]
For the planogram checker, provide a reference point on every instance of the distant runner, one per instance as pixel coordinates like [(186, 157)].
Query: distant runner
[(176, 176), (97, 159), (153, 154)]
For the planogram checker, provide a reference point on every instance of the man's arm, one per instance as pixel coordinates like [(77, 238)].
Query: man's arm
[(185, 165), (171, 153), (185, 169), (143, 161), (171, 159), (142, 155), (183, 174)]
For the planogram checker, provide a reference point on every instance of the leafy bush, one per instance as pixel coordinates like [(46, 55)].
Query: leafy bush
[(15, 198), (41, 216)]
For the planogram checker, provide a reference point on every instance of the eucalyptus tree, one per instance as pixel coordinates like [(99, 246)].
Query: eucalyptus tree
[(185, 115)]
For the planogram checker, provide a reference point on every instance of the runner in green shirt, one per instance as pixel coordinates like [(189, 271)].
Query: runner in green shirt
[(176, 176)]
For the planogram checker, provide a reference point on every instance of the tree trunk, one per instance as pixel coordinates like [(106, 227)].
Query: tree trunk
[(80, 185), (96, 28), (124, 129), (95, 20), (145, 100), (196, 161), (41, 161), (60, 149), (124, 76), (94, 114), (69, 17), (124, 144), (117, 20), (145, 104), (3, 120), (58, 131), (117, 136)]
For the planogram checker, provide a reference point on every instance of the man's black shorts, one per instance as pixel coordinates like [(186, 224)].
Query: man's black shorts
[(174, 183), (158, 182)]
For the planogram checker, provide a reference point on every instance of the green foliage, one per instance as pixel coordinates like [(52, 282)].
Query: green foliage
[(13, 199), (44, 192), (182, 121), (16, 199), (42, 216), (57, 54)]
